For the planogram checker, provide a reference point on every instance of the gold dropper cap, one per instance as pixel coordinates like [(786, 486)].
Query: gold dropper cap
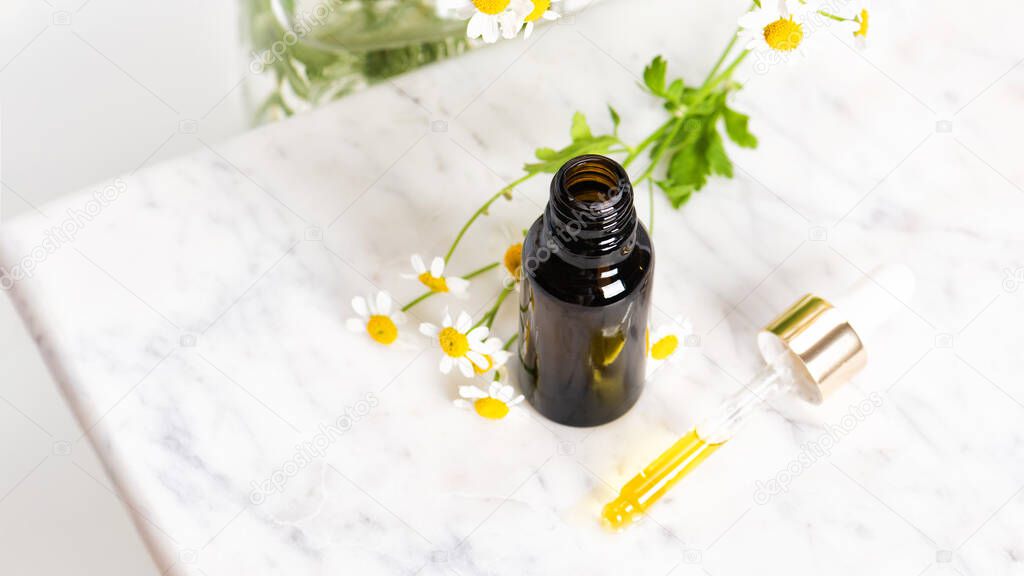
[(814, 339)]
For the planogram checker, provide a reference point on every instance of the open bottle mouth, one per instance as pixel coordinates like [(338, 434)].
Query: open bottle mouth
[(590, 213), (593, 181)]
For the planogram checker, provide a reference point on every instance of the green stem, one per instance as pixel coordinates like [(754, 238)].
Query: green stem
[(721, 58), (728, 71), (418, 299), (643, 145), (480, 271), (710, 86), (483, 210), (497, 306), (660, 150), (836, 18), (510, 341)]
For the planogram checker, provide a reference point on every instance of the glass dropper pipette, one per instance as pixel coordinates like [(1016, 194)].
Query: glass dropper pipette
[(810, 350)]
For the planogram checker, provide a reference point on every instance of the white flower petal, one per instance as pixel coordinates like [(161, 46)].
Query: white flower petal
[(510, 24), (490, 30), (417, 264), (457, 285), (447, 362), (490, 346), (551, 15), (398, 317), (477, 359), (521, 8), (360, 306), (507, 392), (477, 335), (528, 30), (383, 303), (494, 390), (464, 322), (437, 267), (428, 329), (447, 322), (515, 401), (465, 366), (475, 28), (499, 358), (356, 324)]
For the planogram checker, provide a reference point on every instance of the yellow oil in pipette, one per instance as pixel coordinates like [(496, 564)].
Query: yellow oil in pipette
[(656, 479), (810, 350)]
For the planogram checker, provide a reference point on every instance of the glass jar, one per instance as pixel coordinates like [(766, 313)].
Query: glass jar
[(308, 52)]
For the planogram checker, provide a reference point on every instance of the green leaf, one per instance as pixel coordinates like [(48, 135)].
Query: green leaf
[(689, 167), (546, 153), (616, 120), (718, 160), (678, 194), (692, 130), (675, 90), (553, 160), (654, 75), (736, 128), (580, 129)]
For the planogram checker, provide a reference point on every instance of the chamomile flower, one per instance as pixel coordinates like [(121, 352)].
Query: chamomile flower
[(512, 260), (860, 31), (776, 26), (490, 19), (376, 318), (854, 22), (541, 11), (665, 341), (493, 404), (461, 344), (434, 278)]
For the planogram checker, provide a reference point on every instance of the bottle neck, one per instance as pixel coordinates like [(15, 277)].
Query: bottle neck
[(590, 220)]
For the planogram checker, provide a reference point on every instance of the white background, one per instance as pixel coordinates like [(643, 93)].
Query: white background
[(78, 80)]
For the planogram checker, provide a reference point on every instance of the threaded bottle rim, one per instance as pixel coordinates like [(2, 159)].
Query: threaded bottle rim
[(590, 215)]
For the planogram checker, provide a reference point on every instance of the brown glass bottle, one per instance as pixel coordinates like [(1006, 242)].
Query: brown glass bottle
[(587, 276)]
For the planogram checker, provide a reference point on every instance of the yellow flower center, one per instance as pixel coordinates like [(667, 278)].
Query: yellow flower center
[(435, 284), (491, 6), (514, 260), (784, 34), (382, 329), (863, 30), (539, 8), (453, 342), (665, 347), (491, 408), (484, 369)]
